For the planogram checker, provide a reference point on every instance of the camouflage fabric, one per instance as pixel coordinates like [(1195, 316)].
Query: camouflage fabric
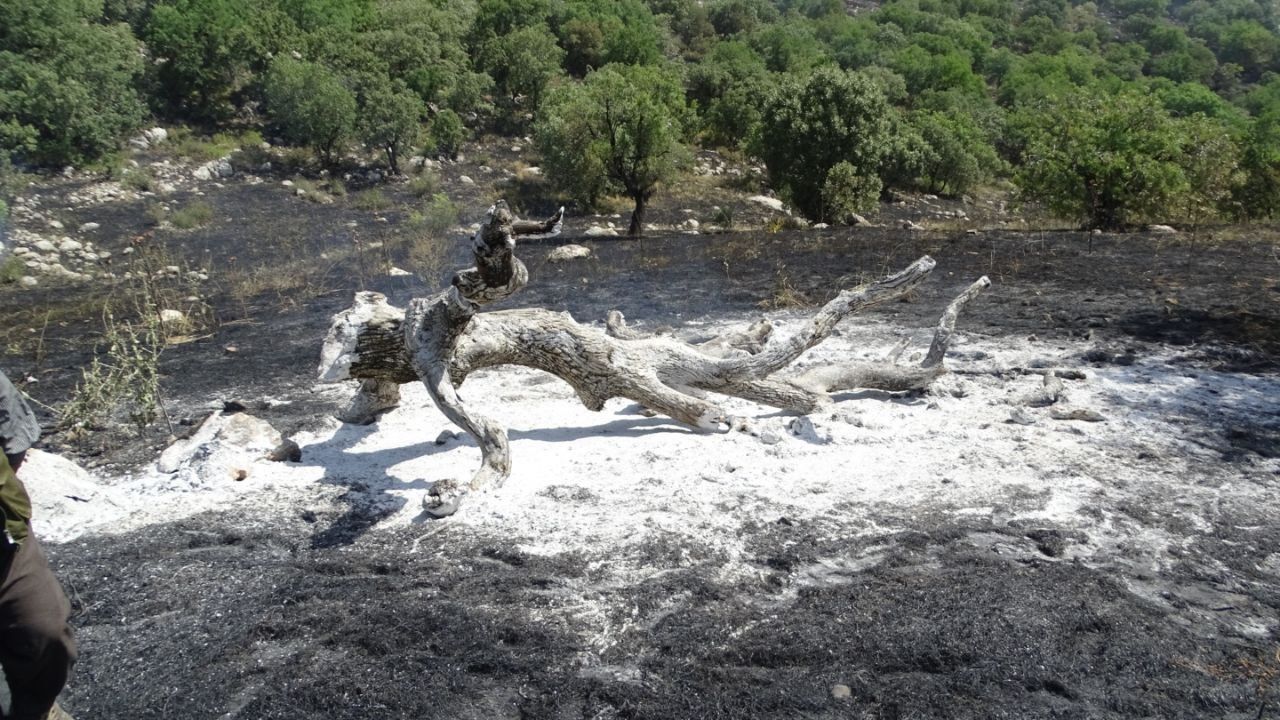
[(15, 505), (18, 427)]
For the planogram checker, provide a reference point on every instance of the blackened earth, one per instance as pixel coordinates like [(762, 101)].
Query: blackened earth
[(311, 616)]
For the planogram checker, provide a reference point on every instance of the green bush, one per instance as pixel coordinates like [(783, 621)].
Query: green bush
[(191, 216), (310, 106), (372, 200), (812, 123), (447, 133), (846, 192)]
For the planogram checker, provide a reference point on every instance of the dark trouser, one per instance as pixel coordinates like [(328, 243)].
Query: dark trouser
[(36, 647)]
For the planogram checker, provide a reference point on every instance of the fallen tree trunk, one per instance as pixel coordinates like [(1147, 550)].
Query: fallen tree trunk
[(441, 339)]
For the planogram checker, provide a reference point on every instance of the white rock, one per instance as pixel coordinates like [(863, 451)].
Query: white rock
[(690, 224), (89, 227), (516, 148), (202, 173), (156, 135), (64, 495), (1162, 229), (398, 272), (466, 180), (223, 450), (45, 246), (68, 245), (569, 252), (28, 281), (820, 226), (299, 192), (597, 231), (169, 316), (286, 183), (771, 203), (55, 224)]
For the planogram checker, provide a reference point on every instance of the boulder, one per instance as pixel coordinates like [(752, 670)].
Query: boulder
[(1161, 229), (772, 203), (65, 497), (225, 448), (597, 231), (569, 252)]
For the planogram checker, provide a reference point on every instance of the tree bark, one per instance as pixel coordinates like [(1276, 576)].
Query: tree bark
[(636, 229), (440, 340)]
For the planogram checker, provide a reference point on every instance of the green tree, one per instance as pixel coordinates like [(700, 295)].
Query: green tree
[(391, 120), (1107, 161), (810, 124), (521, 64), (209, 50), (447, 133), (310, 105), (67, 82), (1258, 193), (1211, 164), (621, 130)]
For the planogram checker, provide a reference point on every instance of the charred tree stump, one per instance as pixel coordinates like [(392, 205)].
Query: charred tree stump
[(441, 339)]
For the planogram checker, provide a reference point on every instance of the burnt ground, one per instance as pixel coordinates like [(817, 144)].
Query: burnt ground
[(266, 616)]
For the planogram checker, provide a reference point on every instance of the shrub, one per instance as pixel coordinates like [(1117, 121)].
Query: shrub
[(810, 124), (310, 105), (847, 192), (372, 200), (192, 216), (447, 133)]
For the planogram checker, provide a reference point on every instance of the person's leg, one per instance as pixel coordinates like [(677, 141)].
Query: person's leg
[(36, 646), (15, 460)]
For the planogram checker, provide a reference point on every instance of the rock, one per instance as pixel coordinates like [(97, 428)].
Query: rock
[(202, 173), (286, 183), (45, 246), (1162, 229), (299, 192), (60, 493), (769, 437), (597, 231), (27, 281), (1081, 414), (286, 451), (55, 224), (224, 448), (169, 316), (398, 272), (68, 245), (803, 428), (466, 180), (771, 203), (445, 437), (516, 148), (569, 252), (841, 692), (689, 224), (910, 225), (89, 227), (1021, 417)]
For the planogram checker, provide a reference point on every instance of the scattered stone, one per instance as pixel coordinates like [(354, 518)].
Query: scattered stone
[(516, 148), (28, 281), (689, 224), (55, 224), (569, 252), (911, 225), (597, 231), (286, 183), (1081, 414), (803, 428), (398, 272), (1161, 229), (223, 448), (769, 437), (771, 203), (299, 192), (841, 692), (169, 316), (820, 226), (287, 450), (45, 246), (1020, 416), (1049, 392), (68, 245), (466, 180), (89, 227)]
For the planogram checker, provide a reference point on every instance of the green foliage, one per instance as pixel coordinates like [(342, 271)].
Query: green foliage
[(67, 83), (372, 200), (810, 124), (126, 376), (521, 64), (1210, 162), (847, 191), (619, 131), (390, 120), (447, 133), (595, 33), (1258, 193), (438, 216), (195, 215), (11, 268), (1105, 161), (310, 105), (952, 155)]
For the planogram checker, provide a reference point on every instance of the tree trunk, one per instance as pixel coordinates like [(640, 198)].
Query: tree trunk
[(442, 339), (637, 215)]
